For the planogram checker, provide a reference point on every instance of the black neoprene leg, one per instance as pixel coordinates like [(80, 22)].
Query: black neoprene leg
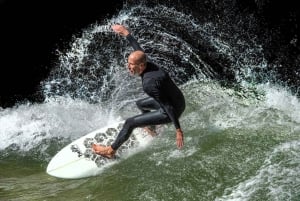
[(147, 104), (145, 119)]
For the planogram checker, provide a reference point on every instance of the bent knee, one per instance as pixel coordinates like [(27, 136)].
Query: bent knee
[(129, 122)]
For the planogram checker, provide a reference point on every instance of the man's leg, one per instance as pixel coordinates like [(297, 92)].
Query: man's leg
[(148, 118), (147, 104)]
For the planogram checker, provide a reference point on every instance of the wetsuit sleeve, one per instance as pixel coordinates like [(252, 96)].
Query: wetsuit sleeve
[(153, 89), (170, 111), (133, 42)]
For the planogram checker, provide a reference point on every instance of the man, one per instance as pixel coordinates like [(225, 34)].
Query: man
[(165, 103)]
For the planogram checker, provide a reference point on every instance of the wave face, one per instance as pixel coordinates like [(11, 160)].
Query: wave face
[(241, 129)]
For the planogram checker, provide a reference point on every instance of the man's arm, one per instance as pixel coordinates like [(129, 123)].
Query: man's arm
[(123, 31), (153, 91), (120, 29), (179, 138)]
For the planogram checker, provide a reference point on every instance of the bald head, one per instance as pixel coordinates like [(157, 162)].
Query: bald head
[(137, 57), (137, 62)]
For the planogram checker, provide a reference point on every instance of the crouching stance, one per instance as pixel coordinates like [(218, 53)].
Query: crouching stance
[(165, 103)]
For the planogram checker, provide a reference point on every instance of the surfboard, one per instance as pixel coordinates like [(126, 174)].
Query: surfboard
[(77, 159)]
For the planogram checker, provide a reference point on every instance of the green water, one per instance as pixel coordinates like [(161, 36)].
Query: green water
[(210, 162)]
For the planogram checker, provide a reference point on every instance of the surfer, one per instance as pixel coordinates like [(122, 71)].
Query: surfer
[(165, 103)]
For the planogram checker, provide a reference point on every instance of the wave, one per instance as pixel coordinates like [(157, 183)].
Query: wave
[(40, 130)]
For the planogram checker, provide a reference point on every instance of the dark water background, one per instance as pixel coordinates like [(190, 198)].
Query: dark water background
[(32, 31)]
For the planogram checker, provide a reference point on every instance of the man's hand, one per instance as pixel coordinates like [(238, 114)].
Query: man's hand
[(120, 29), (179, 138)]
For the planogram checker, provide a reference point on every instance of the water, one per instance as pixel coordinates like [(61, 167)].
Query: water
[(241, 143)]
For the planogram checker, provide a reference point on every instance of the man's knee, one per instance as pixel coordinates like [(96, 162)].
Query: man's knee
[(129, 123), (139, 104)]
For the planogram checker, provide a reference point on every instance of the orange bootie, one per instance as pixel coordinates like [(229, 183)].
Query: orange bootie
[(105, 151)]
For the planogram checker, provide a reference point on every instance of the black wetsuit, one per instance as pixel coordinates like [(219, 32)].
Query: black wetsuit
[(165, 103)]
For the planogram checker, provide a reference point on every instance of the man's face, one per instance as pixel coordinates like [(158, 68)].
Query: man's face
[(133, 66)]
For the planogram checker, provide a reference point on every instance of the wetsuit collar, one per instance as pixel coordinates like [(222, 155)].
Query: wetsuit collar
[(149, 67)]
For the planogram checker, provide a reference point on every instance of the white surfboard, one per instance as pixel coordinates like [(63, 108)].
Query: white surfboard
[(77, 160)]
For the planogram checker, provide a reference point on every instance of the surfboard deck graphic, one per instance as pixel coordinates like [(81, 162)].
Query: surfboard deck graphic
[(77, 159)]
